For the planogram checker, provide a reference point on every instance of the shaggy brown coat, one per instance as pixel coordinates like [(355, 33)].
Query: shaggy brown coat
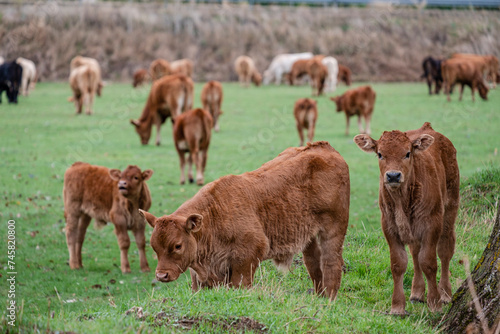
[(159, 68), (192, 132), (211, 99), (140, 77), (306, 114), (92, 63), (418, 199), (318, 74), (464, 71), (357, 101), (182, 66), (488, 65), (107, 195), (344, 75), (298, 202), (169, 97), (247, 71), (84, 82)]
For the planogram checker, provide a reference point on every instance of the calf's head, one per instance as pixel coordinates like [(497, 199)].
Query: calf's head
[(257, 79), (483, 90), (174, 243), (143, 130), (338, 102), (395, 152), (130, 180)]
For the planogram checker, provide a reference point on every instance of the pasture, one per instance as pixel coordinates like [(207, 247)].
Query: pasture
[(41, 137)]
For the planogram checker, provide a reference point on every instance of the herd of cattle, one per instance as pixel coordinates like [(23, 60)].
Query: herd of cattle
[(297, 202)]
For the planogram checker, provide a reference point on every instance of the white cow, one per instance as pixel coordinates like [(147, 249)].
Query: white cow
[(333, 69), (29, 75), (282, 64), (2, 60)]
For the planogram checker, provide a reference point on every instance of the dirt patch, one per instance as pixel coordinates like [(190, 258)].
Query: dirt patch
[(231, 324)]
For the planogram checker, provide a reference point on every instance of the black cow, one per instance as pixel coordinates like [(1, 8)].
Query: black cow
[(10, 79), (432, 72)]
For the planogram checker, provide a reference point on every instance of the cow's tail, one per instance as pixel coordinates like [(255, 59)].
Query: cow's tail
[(188, 98)]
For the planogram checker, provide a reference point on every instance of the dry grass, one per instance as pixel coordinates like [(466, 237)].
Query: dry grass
[(379, 44)]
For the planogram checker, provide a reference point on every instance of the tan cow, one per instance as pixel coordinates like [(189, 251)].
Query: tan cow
[(318, 73), (344, 75), (247, 71), (84, 81), (169, 97), (182, 66), (29, 75), (92, 63), (140, 77), (464, 71), (418, 199), (211, 99), (192, 132), (107, 195), (159, 68), (306, 113), (357, 101), (298, 202)]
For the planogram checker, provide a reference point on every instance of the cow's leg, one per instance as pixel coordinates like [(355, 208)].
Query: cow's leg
[(190, 168), (368, 119), (473, 90), (204, 155), (140, 240), (301, 134), (445, 250), (360, 125), (429, 83), (216, 116), (312, 261), (462, 91), (310, 131), (91, 103), (158, 128), (83, 224), (182, 161), (243, 269), (399, 262), (428, 264), (86, 102), (124, 244), (347, 119), (418, 283), (72, 222), (199, 168)]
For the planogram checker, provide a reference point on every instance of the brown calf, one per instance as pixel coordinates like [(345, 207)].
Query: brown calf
[(192, 132), (93, 64), (107, 195), (357, 101), (84, 81), (159, 68), (306, 113), (464, 71), (140, 77), (418, 199), (211, 99), (344, 75), (169, 97), (488, 65), (318, 73), (299, 69), (298, 202), (247, 71)]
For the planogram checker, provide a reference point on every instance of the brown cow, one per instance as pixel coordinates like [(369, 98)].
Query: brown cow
[(192, 132), (169, 97), (318, 74), (464, 71), (182, 66), (159, 68), (357, 101), (418, 199), (344, 75), (299, 69), (107, 195), (306, 113), (247, 71), (84, 81), (488, 65), (140, 77), (211, 99), (298, 202), (91, 62)]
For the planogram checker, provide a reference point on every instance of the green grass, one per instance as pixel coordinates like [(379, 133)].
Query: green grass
[(41, 137)]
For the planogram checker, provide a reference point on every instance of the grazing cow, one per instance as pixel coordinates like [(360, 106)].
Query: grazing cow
[(318, 74), (247, 71), (333, 71), (432, 73), (91, 62), (140, 77), (299, 69), (182, 66), (282, 64), (11, 74), (306, 113), (344, 75), (2, 60), (192, 132), (159, 68), (357, 101), (169, 97), (107, 195), (84, 81), (211, 99), (488, 65), (418, 199), (298, 202), (465, 72), (29, 75)]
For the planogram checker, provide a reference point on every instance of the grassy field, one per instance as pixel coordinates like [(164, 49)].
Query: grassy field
[(41, 137)]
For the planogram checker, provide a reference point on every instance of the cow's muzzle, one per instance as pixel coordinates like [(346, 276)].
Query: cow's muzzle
[(393, 178), (122, 187), (163, 277)]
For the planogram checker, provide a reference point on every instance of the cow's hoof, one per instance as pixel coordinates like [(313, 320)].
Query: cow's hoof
[(157, 143), (182, 182), (191, 180), (200, 182), (401, 314), (416, 300), (145, 270)]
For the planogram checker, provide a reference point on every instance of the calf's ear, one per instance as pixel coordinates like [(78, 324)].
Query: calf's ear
[(193, 223), (115, 174), (422, 143), (366, 143), (151, 219), (146, 175), (134, 122)]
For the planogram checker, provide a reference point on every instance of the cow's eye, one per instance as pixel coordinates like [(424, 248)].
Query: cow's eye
[(379, 156), (407, 155), (136, 178), (177, 247)]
